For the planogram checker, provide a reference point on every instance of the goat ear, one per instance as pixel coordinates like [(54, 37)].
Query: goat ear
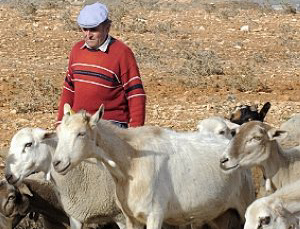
[(275, 134), (97, 116), (264, 110), (43, 135), (24, 189), (49, 136), (68, 110)]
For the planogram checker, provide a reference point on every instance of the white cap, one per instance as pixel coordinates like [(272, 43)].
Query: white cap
[(92, 15)]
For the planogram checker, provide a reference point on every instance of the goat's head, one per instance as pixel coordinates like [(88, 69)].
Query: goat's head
[(246, 113), (76, 139), (28, 153), (217, 126), (269, 213), (251, 146), (13, 201)]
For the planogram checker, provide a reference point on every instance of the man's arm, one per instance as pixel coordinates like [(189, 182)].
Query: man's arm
[(134, 90), (67, 94)]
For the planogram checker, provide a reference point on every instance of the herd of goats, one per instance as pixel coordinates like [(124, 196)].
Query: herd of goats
[(90, 173)]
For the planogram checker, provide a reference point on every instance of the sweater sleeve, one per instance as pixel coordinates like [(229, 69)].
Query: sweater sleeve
[(67, 94), (134, 89)]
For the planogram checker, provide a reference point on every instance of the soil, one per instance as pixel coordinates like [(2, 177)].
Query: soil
[(196, 60)]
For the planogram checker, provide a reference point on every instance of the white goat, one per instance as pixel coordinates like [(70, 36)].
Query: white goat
[(255, 145), (279, 210), (86, 193), (160, 175), (292, 127), (218, 126)]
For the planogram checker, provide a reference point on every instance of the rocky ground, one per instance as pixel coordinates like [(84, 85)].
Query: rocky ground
[(196, 59)]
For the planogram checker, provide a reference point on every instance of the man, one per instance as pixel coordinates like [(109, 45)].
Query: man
[(103, 70)]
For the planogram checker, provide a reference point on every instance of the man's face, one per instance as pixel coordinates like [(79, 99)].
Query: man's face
[(95, 37)]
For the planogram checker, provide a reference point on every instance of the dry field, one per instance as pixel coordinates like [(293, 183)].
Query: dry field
[(196, 59)]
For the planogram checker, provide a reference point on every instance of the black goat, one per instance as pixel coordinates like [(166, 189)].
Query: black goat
[(245, 113)]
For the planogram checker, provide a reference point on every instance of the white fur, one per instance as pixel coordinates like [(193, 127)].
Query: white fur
[(218, 126), (292, 126), (160, 175), (86, 192), (282, 208)]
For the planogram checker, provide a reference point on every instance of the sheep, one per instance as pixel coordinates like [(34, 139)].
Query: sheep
[(279, 210), (246, 113), (218, 126), (255, 145), (31, 196), (160, 175), (86, 193)]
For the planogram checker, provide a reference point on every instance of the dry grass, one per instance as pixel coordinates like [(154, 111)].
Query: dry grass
[(197, 64)]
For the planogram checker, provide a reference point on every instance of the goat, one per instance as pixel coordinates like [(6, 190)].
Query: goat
[(86, 194), (256, 145), (218, 126), (245, 113), (31, 196), (160, 175), (279, 210)]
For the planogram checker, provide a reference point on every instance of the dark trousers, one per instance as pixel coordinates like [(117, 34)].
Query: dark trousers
[(120, 124)]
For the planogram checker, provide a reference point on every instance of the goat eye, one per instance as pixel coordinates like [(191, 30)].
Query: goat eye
[(81, 134), (29, 144), (257, 138), (265, 220), (222, 132), (11, 198)]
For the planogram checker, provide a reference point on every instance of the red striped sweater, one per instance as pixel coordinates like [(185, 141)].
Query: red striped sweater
[(111, 78)]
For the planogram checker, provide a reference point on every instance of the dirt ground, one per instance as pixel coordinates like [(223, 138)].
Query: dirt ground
[(196, 59)]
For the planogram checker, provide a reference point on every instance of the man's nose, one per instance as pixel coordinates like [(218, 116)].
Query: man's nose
[(87, 32)]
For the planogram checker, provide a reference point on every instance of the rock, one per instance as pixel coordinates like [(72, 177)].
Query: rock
[(245, 28)]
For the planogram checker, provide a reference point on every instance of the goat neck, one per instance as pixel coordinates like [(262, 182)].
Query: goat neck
[(113, 151), (275, 163)]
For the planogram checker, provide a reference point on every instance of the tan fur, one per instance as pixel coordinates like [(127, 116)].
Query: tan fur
[(256, 144)]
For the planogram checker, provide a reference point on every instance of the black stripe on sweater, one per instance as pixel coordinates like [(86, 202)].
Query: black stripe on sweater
[(69, 82), (134, 87), (99, 75)]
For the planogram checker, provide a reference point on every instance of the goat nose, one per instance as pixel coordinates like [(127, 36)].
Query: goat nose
[(56, 163), (9, 177), (223, 160)]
